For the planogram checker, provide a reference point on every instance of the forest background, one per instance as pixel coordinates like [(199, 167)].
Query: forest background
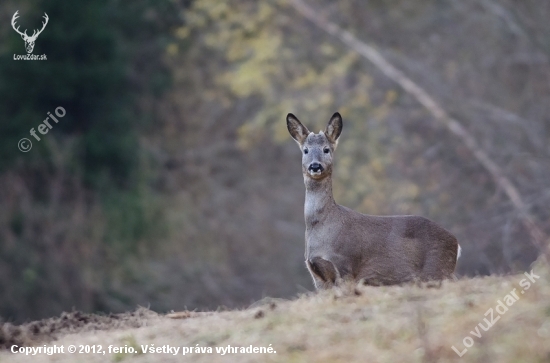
[(172, 181)]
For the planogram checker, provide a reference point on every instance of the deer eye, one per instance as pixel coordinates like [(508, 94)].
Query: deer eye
[(326, 150), (306, 150)]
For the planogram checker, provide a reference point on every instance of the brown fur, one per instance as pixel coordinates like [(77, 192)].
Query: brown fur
[(344, 244)]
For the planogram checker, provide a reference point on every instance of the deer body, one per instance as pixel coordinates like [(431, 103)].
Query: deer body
[(344, 244)]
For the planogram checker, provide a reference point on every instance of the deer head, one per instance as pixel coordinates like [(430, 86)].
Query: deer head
[(317, 149), (29, 41)]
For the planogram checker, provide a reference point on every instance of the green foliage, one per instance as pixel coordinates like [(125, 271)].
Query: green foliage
[(97, 70), (133, 217), (78, 206)]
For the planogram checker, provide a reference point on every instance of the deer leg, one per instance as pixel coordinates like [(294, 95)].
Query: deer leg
[(324, 272)]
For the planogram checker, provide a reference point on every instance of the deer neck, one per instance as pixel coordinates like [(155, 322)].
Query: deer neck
[(319, 200)]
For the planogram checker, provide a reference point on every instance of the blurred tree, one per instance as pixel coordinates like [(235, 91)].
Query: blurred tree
[(76, 207), (102, 57)]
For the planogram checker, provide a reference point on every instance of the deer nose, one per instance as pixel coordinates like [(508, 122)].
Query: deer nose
[(315, 167)]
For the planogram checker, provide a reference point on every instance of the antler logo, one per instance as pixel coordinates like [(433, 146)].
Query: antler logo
[(29, 41)]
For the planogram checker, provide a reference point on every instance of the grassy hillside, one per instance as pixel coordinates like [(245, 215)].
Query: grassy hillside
[(348, 324)]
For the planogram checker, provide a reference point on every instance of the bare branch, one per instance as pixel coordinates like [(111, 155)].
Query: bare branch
[(503, 14), (498, 113)]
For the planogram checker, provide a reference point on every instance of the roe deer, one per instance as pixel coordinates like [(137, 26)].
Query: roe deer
[(344, 244)]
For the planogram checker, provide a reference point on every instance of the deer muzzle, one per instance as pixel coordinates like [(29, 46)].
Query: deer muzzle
[(315, 169)]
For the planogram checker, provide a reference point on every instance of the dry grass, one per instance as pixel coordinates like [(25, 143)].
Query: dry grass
[(350, 324)]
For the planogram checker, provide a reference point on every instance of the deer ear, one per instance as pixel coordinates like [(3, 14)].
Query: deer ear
[(334, 128), (298, 131)]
